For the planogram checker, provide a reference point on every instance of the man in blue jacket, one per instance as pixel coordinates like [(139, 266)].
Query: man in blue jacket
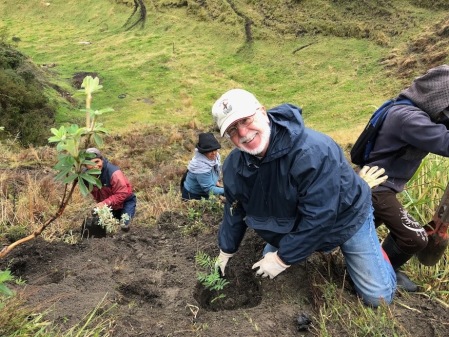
[(296, 189)]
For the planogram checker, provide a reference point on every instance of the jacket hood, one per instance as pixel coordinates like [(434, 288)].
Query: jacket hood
[(289, 118), (430, 92)]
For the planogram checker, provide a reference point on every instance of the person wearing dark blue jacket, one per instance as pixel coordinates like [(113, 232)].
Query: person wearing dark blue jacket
[(296, 189)]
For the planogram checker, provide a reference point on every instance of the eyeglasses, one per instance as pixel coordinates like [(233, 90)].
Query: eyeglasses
[(245, 122)]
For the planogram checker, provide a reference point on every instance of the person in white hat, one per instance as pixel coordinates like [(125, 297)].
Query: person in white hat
[(296, 189)]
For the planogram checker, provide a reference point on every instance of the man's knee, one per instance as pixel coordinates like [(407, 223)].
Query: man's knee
[(378, 301)]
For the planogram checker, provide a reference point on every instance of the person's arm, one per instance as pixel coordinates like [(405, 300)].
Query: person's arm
[(319, 174), (208, 183), (96, 194), (120, 190), (231, 233), (232, 228), (419, 131)]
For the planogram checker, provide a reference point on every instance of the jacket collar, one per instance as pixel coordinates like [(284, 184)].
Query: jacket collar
[(287, 127)]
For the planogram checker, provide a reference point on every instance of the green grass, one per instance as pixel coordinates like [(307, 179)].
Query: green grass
[(348, 319), (174, 69), (421, 198)]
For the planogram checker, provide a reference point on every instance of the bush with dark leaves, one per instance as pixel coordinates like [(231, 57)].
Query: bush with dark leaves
[(25, 110)]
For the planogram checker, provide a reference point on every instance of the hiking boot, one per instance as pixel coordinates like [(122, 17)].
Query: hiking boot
[(405, 283)]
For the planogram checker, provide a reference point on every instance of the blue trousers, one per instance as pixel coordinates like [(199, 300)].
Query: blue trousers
[(373, 276), (370, 270), (186, 195), (129, 207)]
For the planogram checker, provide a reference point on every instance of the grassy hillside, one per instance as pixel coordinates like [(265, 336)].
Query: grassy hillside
[(325, 56), (337, 59)]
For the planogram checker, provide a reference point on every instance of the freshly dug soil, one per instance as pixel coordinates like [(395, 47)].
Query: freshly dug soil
[(150, 274)]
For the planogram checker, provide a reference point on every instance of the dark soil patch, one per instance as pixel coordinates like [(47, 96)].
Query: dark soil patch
[(78, 78), (65, 94), (150, 274)]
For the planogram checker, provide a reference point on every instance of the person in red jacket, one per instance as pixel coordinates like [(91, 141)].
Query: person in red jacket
[(116, 191)]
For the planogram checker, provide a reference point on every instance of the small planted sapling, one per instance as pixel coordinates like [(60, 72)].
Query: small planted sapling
[(71, 144), (211, 279)]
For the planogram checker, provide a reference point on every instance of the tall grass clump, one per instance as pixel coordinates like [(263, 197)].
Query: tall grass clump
[(342, 317), (19, 320), (421, 198)]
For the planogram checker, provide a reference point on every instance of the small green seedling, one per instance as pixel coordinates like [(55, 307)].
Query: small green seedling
[(5, 276), (211, 280)]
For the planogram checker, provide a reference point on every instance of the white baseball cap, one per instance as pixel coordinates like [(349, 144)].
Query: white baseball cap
[(233, 105)]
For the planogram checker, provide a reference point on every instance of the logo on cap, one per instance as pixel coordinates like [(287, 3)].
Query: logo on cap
[(227, 108)]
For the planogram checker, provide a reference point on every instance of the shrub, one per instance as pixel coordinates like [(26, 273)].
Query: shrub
[(26, 113), (434, 4)]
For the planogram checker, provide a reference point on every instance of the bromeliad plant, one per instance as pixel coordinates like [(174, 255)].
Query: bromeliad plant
[(71, 144), (211, 280)]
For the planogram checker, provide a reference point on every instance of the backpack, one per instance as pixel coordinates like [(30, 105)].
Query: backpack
[(183, 179), (365, 143)]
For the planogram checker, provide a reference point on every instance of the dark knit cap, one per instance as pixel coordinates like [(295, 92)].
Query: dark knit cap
[(207, 143)]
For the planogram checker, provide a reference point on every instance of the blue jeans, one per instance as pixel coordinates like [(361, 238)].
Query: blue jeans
[(269, 249), (373, 276), (129, 207)]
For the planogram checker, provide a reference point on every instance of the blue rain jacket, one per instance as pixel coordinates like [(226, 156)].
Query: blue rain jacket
[(302, 197)]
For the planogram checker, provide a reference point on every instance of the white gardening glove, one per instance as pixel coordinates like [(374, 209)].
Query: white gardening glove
[(222, 261), (373, 175), (271, 265)]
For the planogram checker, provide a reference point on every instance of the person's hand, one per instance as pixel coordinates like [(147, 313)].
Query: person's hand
[(271, 265), (373, 175), (222, 261)]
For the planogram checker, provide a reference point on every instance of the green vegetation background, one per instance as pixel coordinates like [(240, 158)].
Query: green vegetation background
[(329, 57), (337, 59)]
